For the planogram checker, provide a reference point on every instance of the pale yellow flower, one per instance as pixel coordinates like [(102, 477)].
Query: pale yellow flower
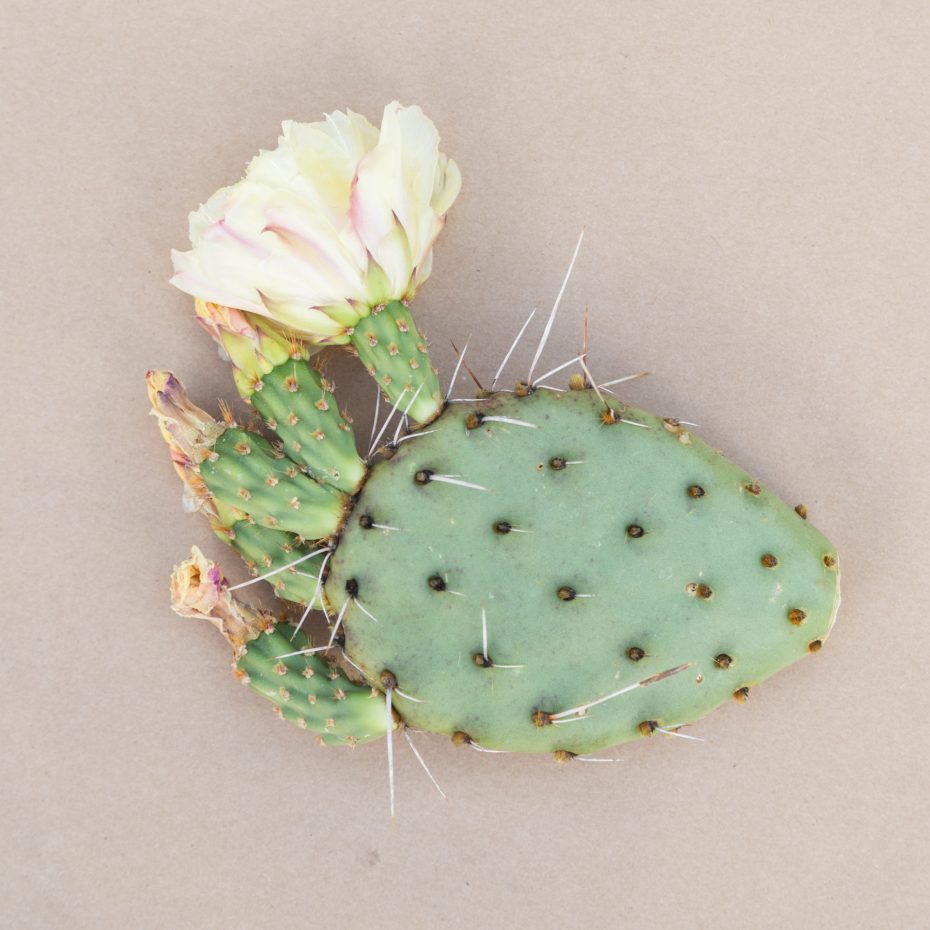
[(339, 218)]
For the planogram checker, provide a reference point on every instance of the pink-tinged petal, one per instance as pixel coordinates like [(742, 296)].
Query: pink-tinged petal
[(447, 187), (305, 321), (374, 219), (219, 320), (191, 278), (354, 132), (209, 213), (334, 219)]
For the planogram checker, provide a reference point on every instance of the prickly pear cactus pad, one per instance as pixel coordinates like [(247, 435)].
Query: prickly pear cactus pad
[(545, 552)]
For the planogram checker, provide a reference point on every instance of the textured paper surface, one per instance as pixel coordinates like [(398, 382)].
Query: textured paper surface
[(753, 181)]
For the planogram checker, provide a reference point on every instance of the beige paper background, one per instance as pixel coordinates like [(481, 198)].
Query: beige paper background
[(754, 184)]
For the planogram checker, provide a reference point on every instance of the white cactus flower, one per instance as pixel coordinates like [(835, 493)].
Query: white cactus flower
[(340, 218)]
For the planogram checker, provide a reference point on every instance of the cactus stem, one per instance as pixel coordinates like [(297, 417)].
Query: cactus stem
[(583, 708), (455, 373), (513, 346), (557, 369), (420, 759), (555, 309), (283, 568)]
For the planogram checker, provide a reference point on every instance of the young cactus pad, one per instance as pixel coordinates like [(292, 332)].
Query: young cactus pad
[(279, 662), (571, 556)]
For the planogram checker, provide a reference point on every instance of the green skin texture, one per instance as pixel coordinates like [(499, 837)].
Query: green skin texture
[(241, 461), (296, 405), (395, 354), (341, 713), (268, 551), (574, 651)]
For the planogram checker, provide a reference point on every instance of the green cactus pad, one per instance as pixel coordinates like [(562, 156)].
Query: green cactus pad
[(297, 404), (394, 351), (601, 552), (245, 473), (310, 693)]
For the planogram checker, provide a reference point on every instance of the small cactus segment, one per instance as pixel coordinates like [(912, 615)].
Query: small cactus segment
[(244, 472), (281, 558), (298, 404), (271, 373), (573, 585), (310, 693), (236, 477), (395, 354), (304, 689), (190, 433)]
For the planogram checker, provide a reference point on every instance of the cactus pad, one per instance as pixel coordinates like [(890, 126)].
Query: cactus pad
[(307, 691), (601, 547), (245, 473)]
